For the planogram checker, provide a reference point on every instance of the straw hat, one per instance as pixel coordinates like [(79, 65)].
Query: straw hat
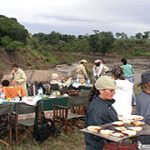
[(54, 76), (83, 61)]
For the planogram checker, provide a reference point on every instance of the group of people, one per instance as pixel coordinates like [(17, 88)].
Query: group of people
[(16, 85), (112, 97)]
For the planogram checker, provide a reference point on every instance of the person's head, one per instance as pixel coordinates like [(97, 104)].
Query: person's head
[(117, 72), (97, 62), (54, 76), (145, 82), (106, 87), (5, 83), (83, 61), (15, 67), (124, 61)]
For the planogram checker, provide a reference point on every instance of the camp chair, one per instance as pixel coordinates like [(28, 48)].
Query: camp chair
[(24, 125), (66, 116), (6, 123)]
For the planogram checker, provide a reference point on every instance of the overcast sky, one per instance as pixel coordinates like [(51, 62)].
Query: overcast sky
[(79, 16)]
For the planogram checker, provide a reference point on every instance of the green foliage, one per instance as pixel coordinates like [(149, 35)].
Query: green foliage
[(11, 28), (101, 42), (13, 46)]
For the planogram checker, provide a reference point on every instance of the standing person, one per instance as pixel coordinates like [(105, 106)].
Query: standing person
[(80, 72), (143, 103), (129, 75), (123, 92), (19, 77), (97, 69), (128, 70), (100, 110)]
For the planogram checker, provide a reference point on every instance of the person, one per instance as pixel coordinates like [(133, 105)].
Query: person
[(97, 69), (100, 110), (143, 102), (80, 72), (19, 77), (129, 75), (11, 91), (128, 70), (105, 67), (123, 92)]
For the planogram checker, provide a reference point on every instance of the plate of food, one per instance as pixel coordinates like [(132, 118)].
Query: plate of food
[(106, 131), (122, 128), (118, 123), (137, 123), (137, 129), (129, 132), (131, 118), (94, 128)]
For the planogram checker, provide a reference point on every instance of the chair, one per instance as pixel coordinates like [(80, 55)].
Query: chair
[(24, 124), (67, 116), (6, 123)]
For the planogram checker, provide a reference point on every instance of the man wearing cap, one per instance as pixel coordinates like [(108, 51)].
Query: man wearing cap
[(143, 102), (80, 72), (97, 69), (100, 110)]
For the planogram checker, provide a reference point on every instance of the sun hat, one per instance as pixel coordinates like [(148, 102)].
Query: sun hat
[(83, 61), (54, 76), (105, 82), (145, 77), (97, 61)]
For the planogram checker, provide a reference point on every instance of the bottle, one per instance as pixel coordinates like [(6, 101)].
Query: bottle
[(40, 92)]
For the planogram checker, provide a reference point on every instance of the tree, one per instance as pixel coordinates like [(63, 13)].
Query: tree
[(11, 28), (101, 41)]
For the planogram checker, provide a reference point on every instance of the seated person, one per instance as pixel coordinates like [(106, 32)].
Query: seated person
[(55, 84), (11, 91)]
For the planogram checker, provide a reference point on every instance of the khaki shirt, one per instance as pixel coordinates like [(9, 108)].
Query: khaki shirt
[(80, 72)]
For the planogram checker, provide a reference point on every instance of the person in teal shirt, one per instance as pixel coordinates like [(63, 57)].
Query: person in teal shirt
[(129, 75), (128, 70)]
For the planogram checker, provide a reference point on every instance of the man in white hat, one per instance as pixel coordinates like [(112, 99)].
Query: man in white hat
[(97, 69)]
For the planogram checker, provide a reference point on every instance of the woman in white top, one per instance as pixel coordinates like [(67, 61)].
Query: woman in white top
[(123, 95)]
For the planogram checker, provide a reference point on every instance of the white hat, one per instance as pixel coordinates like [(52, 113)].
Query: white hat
[(97, 61), (105, 82), (54, 76), (83, 61)]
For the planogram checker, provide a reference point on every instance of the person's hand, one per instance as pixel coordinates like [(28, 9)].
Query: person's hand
[(13, 72), (14, 82)]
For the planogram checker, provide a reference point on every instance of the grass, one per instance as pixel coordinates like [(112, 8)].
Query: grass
[(74, 141)]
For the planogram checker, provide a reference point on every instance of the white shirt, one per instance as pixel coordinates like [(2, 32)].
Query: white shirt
[(123, 97)]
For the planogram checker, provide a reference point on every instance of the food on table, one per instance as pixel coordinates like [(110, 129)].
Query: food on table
[(129, 132), (122, 128), (94, 128), (137, 129), (106, 131), (136, 117), (117, 134), (137, 123), (118, 123)]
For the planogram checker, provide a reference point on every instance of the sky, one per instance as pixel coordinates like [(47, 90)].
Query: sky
[(79, 17)]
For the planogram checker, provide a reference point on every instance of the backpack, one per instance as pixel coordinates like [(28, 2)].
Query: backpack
[(43, 127)]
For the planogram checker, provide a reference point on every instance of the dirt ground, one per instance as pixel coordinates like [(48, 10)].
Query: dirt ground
[(140, 65)]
